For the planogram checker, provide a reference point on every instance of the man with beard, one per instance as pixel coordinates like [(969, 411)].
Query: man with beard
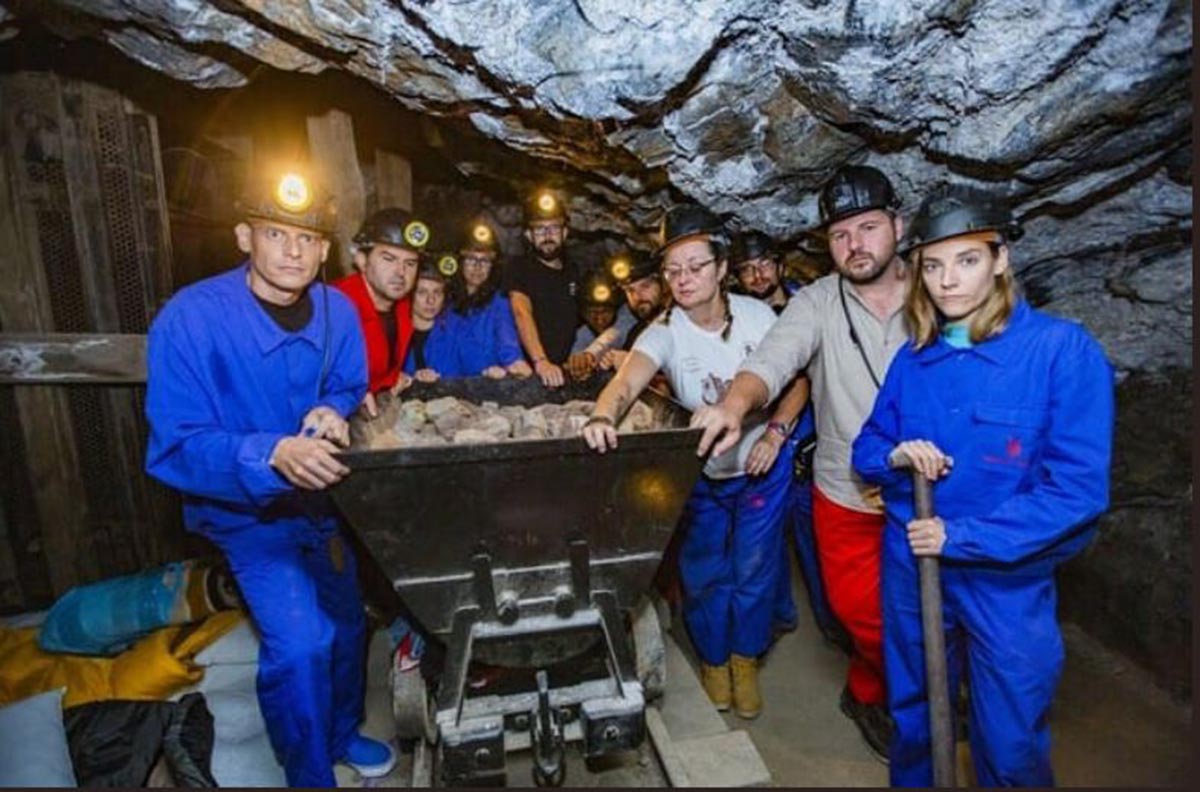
[(755, 262), (638, 276), (843, 330), (389, 246), (542, 290)]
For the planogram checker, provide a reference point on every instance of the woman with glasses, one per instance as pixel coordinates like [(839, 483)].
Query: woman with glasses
[(731, 551), (1010, 412), (485, 333)]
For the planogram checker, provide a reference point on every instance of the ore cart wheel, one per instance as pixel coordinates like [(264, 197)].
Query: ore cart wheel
[(411, 706), (649, 650)]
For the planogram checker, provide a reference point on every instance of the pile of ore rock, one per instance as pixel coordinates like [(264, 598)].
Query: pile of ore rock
[(406, 424)]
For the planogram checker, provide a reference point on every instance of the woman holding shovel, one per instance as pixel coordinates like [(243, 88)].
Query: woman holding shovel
[(1010, 412)]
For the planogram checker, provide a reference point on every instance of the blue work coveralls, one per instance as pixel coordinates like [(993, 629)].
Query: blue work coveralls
[(225, 384), (730, 561), (487, 336), (798, 517), (441, 348), (1027, 417)]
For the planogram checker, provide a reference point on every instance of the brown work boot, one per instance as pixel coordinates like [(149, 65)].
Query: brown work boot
[(716, 684), (747, 701)]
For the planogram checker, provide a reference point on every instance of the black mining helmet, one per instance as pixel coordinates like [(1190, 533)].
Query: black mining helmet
[(598, 288), (628, 266), (855, 189), (751, 245), (291, 197), (543, 205), (479, 237), (688, 220), (393, 227), (957, 209)]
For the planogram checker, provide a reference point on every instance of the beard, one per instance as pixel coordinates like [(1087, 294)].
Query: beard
[(643, 309), (864, 276), (548, 249)]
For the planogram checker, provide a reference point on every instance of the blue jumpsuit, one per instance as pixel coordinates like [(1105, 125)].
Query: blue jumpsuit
[(225, 384), (1027, 417), (487, 336), (441, 348), (730, 561), (799, 516)]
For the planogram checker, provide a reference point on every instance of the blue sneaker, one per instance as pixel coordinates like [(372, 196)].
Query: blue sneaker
[(369, 758)]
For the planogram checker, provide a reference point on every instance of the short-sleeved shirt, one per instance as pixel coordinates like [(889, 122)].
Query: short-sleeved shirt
[(700, 366), (813, 335), (552, 293)]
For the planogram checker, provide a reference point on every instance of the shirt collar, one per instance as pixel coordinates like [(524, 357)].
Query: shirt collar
[(268, 335), (999, 349)]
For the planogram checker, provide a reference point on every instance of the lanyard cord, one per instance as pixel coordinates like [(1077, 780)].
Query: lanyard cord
[(854, 332)]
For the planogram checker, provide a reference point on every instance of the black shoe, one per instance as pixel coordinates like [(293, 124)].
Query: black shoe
[(873, 723), (835, 635)]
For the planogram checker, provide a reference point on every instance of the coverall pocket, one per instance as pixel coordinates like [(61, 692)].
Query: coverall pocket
[(1006, 437)]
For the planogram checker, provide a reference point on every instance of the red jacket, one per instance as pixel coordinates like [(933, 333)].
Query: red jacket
[(381, 377)]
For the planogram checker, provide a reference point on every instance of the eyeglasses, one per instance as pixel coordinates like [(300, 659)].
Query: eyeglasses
[(674, 273), (546, 230), (476, 261), (762, 267)]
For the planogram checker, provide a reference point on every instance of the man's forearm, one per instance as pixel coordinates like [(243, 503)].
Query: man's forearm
[(527, 332), (792, 402), (748, 392)]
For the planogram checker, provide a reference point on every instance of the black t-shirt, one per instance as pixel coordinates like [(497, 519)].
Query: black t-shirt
[(290, 318), (552, 292), (416, 348), (388, 319)]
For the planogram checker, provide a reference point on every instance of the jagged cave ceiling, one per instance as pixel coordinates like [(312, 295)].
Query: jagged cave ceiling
[(1079, 109)]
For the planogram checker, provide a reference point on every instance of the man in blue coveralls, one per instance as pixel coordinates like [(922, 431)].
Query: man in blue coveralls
[(250, 376)]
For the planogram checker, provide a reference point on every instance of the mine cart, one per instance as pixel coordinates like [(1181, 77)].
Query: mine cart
[(533, 556)]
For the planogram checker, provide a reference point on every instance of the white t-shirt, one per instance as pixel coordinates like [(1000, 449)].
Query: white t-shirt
[(700, 367)]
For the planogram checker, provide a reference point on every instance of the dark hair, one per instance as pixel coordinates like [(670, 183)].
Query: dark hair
[(464, 303)]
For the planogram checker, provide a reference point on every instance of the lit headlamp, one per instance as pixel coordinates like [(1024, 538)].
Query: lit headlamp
[(293, 193)]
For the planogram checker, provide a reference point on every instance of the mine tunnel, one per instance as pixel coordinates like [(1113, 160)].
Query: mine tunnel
[(190, 185)]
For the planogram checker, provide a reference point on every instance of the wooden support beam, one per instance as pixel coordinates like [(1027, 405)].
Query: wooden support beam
[(72, 358), (331, 147), (393, 181)]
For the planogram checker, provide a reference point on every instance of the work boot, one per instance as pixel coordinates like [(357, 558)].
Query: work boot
[(716, 684), (873, 723), (747, 701)]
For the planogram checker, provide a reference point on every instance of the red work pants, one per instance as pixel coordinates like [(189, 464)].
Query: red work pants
[(849, 544)]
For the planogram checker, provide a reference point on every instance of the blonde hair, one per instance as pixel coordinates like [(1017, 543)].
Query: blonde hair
[(925, 321)]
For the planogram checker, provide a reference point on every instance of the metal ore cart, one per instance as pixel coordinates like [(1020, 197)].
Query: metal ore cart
[(531, 555)]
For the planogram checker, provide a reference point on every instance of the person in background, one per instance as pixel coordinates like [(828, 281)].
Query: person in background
[(250, 377), (388, 248), (731, 548), (755, 261), (606, 321), (487, 338), (433, 351), (1010, 412), (756, 264), (842, 331), (638, 276), (542, 289)]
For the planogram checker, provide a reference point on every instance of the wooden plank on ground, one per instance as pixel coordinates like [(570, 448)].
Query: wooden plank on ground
[(393, 181), (331, 148), (72, 358)]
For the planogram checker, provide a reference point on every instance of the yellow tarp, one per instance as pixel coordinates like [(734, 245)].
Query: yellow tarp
[(152, 669)]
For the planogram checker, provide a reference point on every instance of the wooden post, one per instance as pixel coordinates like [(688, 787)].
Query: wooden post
[(30, 216), (393, 181), (331, 148)]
